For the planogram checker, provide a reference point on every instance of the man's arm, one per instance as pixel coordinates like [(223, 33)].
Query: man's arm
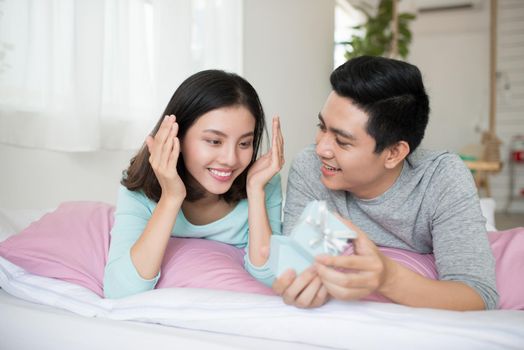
[(372, 271)]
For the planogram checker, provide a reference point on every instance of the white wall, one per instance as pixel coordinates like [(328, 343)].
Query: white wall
[(43, 179), (287, 57), (451, 48), (288, 47)]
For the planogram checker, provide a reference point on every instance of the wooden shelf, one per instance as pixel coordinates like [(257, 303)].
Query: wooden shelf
[(483, 166)]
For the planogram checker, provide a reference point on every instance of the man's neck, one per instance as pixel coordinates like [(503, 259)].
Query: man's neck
[(381, 185)]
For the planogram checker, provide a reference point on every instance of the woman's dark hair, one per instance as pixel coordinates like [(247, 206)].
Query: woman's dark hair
[(200, 93), (392, 94)]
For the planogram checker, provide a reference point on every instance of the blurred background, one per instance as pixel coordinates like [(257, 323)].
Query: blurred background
[(83, 82)]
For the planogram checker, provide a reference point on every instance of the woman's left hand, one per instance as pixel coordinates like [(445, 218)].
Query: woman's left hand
[(270, 163)]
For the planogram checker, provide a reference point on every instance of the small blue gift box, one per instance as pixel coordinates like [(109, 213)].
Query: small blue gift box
[(317, 232)]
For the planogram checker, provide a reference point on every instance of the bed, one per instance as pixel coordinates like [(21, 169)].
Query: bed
[(49, 313)]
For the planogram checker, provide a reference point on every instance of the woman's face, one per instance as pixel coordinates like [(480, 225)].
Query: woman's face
[(218, 147)]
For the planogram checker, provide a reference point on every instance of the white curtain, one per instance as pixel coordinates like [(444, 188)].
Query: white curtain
[(80, 75)]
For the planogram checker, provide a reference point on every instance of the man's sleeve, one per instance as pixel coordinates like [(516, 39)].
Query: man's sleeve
[(300, 191), (461, 247)]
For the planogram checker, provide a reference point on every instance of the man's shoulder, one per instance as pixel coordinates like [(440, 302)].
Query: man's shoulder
[(442, 168), (434, 159), (306, 157)]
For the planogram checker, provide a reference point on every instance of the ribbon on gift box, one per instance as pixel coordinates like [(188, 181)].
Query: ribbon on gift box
[(334, 242), (317, 232)]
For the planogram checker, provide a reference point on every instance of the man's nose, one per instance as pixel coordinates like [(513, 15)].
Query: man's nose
[(324, 146)]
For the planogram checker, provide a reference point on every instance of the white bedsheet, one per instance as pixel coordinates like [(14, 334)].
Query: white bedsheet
[(356, 325), (210, 318)]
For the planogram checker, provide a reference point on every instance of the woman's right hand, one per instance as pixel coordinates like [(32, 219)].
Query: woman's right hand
[(164, 149)]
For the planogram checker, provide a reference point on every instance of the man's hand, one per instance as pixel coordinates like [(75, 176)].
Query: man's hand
[(303, 291), (355, 276)]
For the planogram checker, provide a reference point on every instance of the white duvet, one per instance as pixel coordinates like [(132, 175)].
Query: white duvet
[(355, 325)]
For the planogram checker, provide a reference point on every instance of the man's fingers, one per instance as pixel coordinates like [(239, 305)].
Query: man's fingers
[(283, 281), (308, 294), (354, 262), (342, 293), (301, 281), (321, 297), (344, 279)]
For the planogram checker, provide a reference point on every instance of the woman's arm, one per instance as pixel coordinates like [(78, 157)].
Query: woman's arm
[(139, 237), (148, 251), (259, 175)]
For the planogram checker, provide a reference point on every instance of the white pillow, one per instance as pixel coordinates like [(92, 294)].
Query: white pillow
[(487, 206), (13, 221), (6, 228)]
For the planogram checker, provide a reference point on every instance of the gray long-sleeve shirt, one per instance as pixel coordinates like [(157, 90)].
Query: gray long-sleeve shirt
[(433, 207)]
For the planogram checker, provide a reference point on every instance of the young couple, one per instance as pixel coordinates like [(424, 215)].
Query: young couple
[(198, 175)]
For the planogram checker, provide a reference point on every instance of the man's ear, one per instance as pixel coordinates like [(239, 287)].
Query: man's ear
[(396, 154)]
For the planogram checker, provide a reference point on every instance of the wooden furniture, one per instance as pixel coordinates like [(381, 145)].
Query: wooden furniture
[(481, 171)]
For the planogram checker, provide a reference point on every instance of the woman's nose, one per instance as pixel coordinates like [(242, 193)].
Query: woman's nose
[(229, 156)]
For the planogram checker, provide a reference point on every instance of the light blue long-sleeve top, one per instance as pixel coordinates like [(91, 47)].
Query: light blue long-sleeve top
[(134, 210)]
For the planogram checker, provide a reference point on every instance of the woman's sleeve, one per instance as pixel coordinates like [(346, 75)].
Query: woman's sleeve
[(121, 277)]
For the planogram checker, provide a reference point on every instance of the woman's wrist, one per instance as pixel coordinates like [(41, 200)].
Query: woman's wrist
[(171, 201), (255, 191)]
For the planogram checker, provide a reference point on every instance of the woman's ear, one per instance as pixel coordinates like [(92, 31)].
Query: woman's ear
[(396, 154)]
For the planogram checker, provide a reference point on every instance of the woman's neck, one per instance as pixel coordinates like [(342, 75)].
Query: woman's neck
[(206, 210)]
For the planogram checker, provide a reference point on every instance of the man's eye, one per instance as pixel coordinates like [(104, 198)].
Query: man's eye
[(321, 126), (342, 144)]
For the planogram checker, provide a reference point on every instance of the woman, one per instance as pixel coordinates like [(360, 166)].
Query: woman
[(197, 176)]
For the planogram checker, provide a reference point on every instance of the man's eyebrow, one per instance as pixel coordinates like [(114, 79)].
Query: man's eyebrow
[(340, 132), (220, 133)]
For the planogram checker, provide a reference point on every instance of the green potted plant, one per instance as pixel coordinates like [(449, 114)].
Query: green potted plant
[(386, 33)]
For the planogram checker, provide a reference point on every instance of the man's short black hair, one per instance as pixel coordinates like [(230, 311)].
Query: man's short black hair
[(392, 94)]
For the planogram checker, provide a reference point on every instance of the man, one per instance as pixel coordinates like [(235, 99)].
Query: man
[(367, 167)]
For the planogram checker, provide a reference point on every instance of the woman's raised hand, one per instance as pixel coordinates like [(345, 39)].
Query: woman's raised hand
[(164, 149), (270, 163)]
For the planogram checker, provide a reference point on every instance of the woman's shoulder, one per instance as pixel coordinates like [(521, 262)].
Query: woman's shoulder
[(128, 198)]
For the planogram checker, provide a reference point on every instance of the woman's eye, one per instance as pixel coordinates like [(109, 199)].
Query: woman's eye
[(213, 142), (246, 144)]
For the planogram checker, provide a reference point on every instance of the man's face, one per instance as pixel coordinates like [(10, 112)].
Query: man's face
[(346, 150)]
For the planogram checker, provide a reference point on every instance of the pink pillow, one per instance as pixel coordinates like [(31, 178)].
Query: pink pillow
[(202, 263), (72, 242), (423, 264), (508, 249)]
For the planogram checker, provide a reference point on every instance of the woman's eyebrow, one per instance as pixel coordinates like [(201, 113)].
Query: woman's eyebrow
[(220, 133)]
